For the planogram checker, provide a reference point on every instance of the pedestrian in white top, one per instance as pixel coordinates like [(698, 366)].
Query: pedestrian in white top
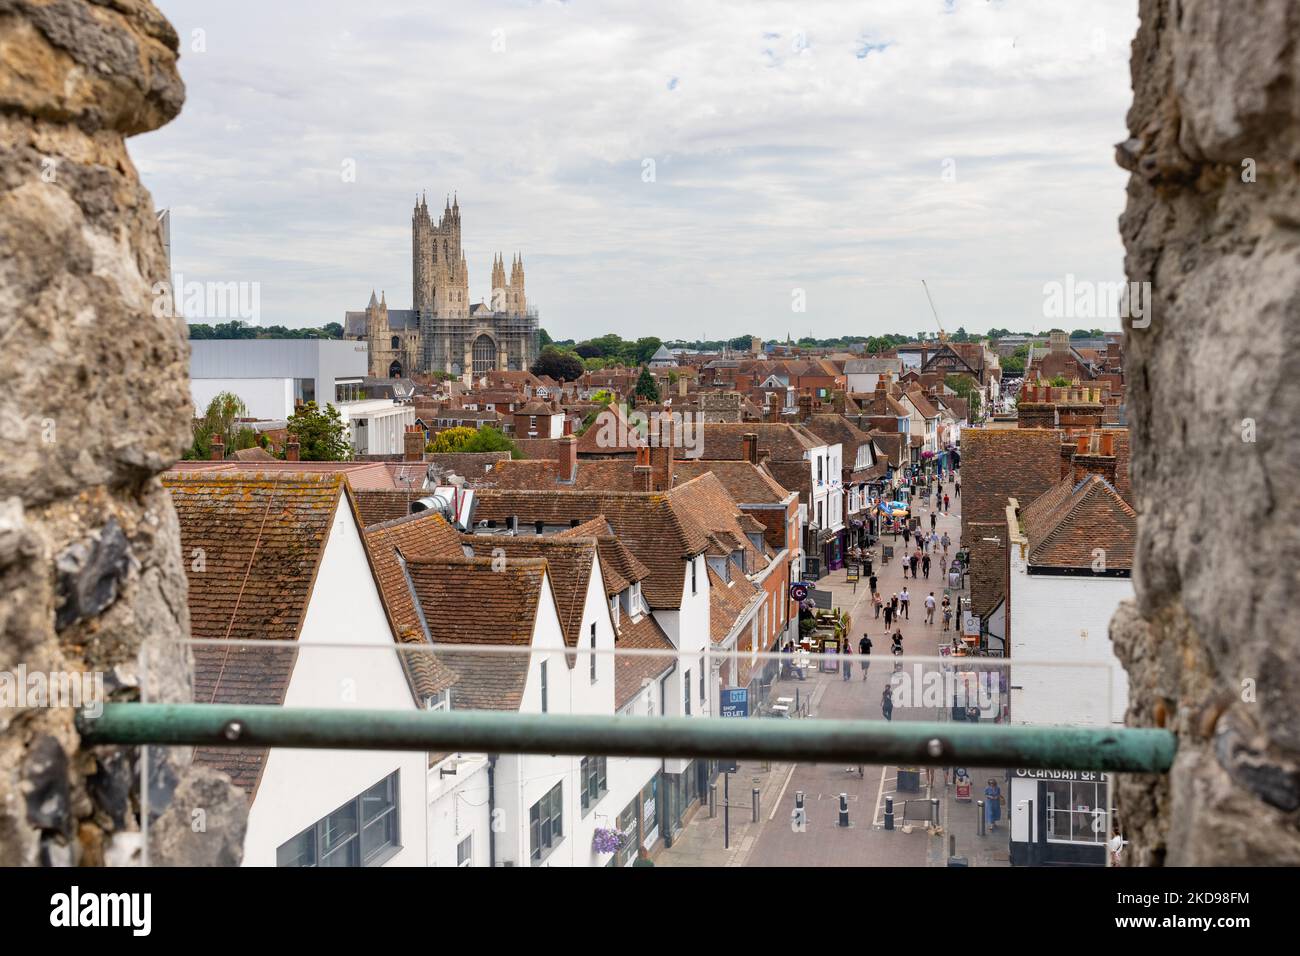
[(904, 603), (929, 608)]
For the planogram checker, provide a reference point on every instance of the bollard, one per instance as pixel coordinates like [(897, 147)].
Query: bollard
[(844, 809), (934, 811), (755, 793), (979, 824), (889, 813), (800, 814), (713, 801)]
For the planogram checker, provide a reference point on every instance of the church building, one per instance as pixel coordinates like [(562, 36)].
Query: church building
[(443, 331)]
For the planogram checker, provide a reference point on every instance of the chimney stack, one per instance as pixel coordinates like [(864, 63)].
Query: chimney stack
[(413, 443), (681, 387), (218, 449), (291, 450), (805, 407), (750, 440), (568, 458), (642, 478), (661, 466)]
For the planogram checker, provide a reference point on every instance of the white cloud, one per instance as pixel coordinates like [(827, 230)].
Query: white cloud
[(784, 156)]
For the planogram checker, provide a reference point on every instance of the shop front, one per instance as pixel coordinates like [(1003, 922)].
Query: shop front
[(1059, 817)]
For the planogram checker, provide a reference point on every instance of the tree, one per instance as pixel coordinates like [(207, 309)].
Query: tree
[(966, 388), (464, 439), (543, 338), (320, 433), (603, 397), (218, 419), (451, 439), (1013, 365), (559, 364), (645, 349), (1059, 381), (646, 387)]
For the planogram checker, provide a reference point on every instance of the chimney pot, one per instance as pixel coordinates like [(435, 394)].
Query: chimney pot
[(291, 450)]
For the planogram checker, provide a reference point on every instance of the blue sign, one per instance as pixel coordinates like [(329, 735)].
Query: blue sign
[(735, 702)]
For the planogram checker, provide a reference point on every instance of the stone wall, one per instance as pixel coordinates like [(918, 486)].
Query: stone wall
[(1212, 645), (95, 404)]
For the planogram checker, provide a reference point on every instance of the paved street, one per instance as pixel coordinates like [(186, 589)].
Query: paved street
[(774, 841)]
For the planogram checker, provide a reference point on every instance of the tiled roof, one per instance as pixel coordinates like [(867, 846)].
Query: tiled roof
[(253, 544), (746, 483), (360, 474), (256, 453), (922, 403), (780, 441), (612, 474), (631, 670), (375, 506), (1066, 531), (793, 475), (647, 523), (997, 464), (987, 566), (707, 502), (618, 566), (610, 434), (504, 604), (539, 447), (833, 429), (727, 602), (569, 561)]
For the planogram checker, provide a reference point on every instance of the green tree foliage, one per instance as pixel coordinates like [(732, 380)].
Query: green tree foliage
[(241, 330), (603, 397), (544, 338), (1013, 365), (464, 439), (646, 387), (1087, 334), (1059, 381), (320, 433), (219, 419), (559, 364), (967, 388)]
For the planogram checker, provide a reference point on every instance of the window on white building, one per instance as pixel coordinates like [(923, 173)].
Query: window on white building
[(544, 688), (362, 832), (546, 824), (465, 851), (1076, 812), (593, 781), (593, 652)]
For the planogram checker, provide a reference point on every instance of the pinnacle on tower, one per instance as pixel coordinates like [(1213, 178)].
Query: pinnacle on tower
[(373, 301)]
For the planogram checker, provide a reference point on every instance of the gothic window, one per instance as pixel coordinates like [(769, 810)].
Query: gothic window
[(396, 343), (485, 355), (395, 370)]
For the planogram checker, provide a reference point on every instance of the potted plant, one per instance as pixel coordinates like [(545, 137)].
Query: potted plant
[(606, 840)]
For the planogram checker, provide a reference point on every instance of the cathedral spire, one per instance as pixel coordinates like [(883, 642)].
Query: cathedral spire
[(373, 301)]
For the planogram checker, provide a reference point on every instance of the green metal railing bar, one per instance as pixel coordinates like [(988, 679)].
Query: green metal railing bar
[(904, 743)]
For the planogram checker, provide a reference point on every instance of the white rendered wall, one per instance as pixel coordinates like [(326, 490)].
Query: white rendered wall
[(299, 787), (263, 397)]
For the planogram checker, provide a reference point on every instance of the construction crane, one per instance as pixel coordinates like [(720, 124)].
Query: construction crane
[(943, 336)]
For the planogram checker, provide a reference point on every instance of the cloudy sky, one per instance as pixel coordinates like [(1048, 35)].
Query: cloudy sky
[(687, 168)]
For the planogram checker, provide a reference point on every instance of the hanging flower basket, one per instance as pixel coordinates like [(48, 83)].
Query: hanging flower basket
[(606, 840)]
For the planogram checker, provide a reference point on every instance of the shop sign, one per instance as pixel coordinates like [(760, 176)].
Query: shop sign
[(1078, 776), (735, 702)]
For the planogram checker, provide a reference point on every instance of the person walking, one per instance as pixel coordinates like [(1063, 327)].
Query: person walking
[(846, 672), (947, 613), (875, 599), (929, 608), (889, 611), (925, 566), (943, 564), (992, 804), (934, 520), (945, 502), (958, 488), (934, 541), (872, 581), (914, 561), (864, 648), (887, 704), (945, 541), (904, 602)]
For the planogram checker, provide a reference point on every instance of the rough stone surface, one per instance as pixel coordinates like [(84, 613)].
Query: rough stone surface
[(203, 824), (1211, 646), (95, 404)]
